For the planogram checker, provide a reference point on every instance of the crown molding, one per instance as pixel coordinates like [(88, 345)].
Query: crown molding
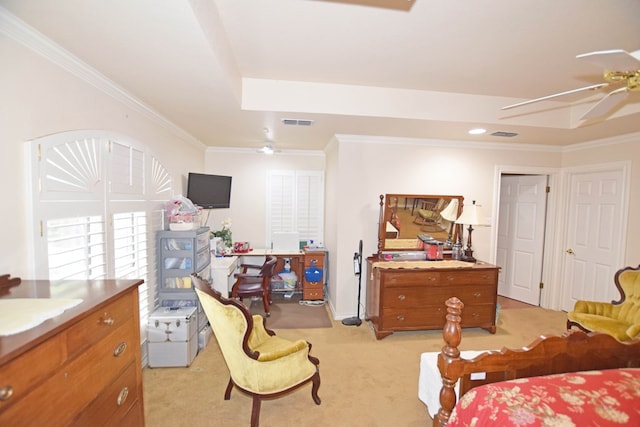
[(32, 39)]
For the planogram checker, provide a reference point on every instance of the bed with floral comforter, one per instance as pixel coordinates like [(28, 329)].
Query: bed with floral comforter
[(576, 379), (589, 398)]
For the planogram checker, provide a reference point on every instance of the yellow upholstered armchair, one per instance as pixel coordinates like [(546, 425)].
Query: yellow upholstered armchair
[(260, 363), (621, 319)]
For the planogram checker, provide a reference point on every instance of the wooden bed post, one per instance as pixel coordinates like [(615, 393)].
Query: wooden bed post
[(452, 334)]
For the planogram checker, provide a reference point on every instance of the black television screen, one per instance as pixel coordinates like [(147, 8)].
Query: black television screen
[(209, 191)]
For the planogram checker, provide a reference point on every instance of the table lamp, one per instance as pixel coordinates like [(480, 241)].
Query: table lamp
[(450, 213), (471, 215)]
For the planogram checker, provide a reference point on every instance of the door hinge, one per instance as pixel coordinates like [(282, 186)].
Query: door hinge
[(548, 189), (541, 285)]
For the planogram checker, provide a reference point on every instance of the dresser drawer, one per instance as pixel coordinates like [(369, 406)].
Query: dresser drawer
[(100, 323), (478, 315), (434, 317), (436, 296), (20, 375), (410, 319), (78, 382), (312, 291), (409, 278), (318, 258), (114, 402), (476, 294), (470, 277), (133, 418)]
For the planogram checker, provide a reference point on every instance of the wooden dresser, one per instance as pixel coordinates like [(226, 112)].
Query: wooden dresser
[(82, 367), (407, 299)]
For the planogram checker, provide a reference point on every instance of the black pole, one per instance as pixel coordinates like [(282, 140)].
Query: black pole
[(357, 260)]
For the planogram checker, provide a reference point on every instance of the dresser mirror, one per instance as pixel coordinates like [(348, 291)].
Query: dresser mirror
[(405, 216)]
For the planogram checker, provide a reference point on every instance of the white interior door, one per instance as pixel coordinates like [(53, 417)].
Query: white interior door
[(594, 229), (521, 236)]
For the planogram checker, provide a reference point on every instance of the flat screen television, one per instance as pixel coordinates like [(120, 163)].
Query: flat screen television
[(209, 191)]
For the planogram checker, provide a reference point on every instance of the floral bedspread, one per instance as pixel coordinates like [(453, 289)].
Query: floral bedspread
[(591, 398)]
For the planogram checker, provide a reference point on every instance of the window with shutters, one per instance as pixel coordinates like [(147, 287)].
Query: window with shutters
[(295, 203), (97, 203)]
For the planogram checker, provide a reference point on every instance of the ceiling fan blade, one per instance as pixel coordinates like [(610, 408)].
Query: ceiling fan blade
[(555, 95), (612, 60), (603, 106)]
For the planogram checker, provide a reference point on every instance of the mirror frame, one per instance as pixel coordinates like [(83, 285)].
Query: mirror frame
[(387, 209)]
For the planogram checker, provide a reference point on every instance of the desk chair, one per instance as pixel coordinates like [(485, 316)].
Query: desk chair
[(256, 284)]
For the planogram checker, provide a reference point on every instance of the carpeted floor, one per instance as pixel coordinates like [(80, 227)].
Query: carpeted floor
[(365, 382), (288, 313)]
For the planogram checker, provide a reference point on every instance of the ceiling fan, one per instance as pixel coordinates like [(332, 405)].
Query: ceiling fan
[(621, 68), (268, 148)]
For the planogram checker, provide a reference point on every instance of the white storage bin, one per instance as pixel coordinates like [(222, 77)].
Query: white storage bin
[(172, 335)]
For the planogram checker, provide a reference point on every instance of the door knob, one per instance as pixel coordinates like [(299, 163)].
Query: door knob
[(570, 251)]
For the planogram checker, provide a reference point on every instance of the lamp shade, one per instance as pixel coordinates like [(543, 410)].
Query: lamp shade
[(472, 215), (450, 213)]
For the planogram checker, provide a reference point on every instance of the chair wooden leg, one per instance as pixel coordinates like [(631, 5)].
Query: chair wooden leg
[(255, 411), (315, 387), (265, 303), (227, 393)]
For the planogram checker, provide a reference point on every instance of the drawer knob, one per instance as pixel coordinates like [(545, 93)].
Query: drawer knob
[(120, 349), (122, 396), (401, 297), (5, 393), (108, 320), (475, 315), (400, 317), (477, 294)]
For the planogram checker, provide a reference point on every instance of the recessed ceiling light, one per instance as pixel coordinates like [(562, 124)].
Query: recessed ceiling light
[(477, 131)]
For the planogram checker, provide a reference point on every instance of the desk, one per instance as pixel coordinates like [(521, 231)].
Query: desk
[(223, 269)]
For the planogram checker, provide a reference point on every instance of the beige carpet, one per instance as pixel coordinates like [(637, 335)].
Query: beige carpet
[(289, 313), (365, 382)]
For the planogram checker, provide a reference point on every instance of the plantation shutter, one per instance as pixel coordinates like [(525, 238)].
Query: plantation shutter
[(295, 203), (98, 202)]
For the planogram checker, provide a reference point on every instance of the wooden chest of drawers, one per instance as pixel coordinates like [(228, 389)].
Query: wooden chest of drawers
[(405, 299), (82, 367)]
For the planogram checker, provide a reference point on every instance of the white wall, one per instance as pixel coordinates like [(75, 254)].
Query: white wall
[(38, 98), (248, 170)]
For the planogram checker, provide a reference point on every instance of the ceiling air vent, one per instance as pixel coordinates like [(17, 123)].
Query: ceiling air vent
[(297, 122), (507, 134)]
